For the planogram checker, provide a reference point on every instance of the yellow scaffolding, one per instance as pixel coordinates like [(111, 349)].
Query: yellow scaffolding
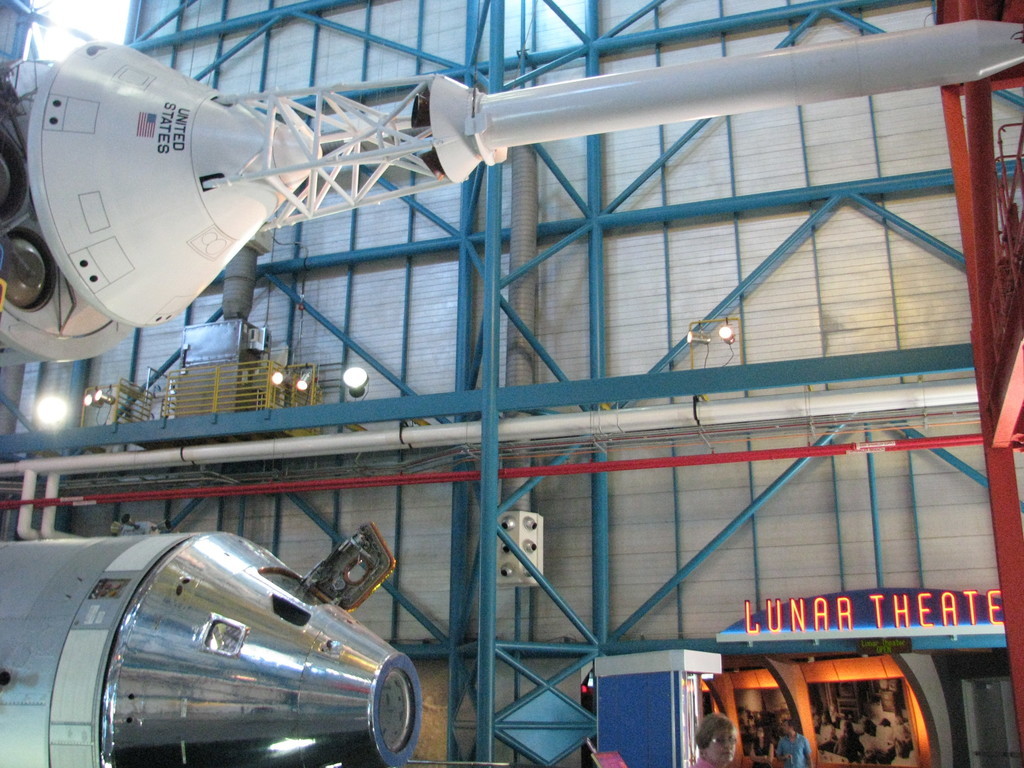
[(232, 387), (121, 403)]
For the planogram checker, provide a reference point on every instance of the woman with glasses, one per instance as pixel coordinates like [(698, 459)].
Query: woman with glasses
[(716, 739)]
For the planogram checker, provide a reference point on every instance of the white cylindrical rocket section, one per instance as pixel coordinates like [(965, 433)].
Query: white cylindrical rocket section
[(122, 153), (931, 56)]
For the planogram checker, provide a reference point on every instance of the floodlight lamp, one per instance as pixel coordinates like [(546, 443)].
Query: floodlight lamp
[(277, 378), (97, 396), (727, 333), (697, 337), (51, 410), (357, 380), (302, 383)]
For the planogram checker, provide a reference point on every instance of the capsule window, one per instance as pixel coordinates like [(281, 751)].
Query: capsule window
[(224, 636), (289, 611)]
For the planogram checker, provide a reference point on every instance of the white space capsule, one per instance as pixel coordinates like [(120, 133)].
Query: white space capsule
[(123, 151), (189, 650), (145, 183)]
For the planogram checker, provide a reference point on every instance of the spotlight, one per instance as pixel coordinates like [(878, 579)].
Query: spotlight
[(727, 333), (357, 381), (277, 378), (51, 410), (697, 337), (302, 383), (97, 396)]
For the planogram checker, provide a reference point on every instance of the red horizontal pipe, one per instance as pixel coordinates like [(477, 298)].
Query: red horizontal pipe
[(422, 478)]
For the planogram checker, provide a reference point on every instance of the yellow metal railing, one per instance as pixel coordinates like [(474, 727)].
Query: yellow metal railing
[(231, 387), (121, 403)]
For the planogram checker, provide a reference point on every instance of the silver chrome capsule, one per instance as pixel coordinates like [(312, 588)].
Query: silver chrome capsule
[(195, 650)]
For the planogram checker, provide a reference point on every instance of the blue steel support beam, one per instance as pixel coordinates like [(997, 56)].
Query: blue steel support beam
[(599, 492), (533, 341), (530, 483), (238, 25), (345, 338), (460, 577), (536, 62), (416, 613), (717, 541), (955, 358), (18, 7), (490, 462), (544, 685), (214, 66), (172, 15), (914, 233), (694, 130), (546, 585), (937, 181), (11, 406), (26, 17), (836, 513), (633, 18), (955, 462), (546, 254), (187, 509), (915, 512), (876, 520), (309, 511), (411, 202), (758, 275), (336, 538), (584, 37), (458, 603), (383, 42), (561, 178), (711, 28), (848, 18)]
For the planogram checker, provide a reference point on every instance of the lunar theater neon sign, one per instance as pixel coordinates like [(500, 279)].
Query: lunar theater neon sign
[(872, 613)]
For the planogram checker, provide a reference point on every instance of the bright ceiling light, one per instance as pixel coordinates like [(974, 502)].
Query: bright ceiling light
[(51, 410), (356, 380), (727, 333)]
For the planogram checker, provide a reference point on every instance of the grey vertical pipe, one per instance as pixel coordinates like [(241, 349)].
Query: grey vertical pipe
[(11, 381), (520, 360), (81, 370), (239, 284)]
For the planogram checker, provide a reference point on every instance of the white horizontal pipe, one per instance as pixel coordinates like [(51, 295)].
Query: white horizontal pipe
[(925, 395), (896, 61)]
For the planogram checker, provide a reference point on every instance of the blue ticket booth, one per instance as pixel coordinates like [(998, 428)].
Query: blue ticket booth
[(648, 705)]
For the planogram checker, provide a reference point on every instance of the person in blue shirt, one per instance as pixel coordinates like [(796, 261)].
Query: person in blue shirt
[(793, 750)]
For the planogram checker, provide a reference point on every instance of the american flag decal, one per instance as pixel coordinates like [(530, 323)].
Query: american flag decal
[(147, 124)]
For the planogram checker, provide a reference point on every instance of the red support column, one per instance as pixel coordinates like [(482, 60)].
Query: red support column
[(973, 159)]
